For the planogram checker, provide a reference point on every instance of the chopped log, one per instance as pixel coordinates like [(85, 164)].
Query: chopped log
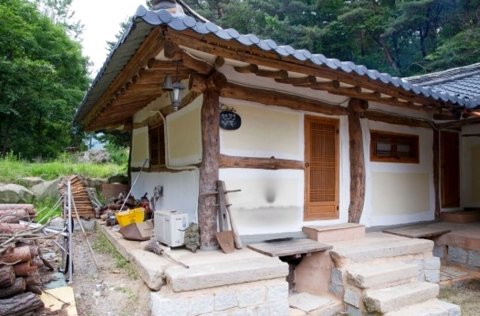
[(34, 251), (34, 278), (37, 262), (16, 255), (34, 289), (20, 304), (18, 286), (7, 228), (28, 207), (7, 276), (24, 269)]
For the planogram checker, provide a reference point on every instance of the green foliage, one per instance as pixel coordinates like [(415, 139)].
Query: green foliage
[(47, 208), (42, 79), (118, 154), (13, 168), (399, 37)]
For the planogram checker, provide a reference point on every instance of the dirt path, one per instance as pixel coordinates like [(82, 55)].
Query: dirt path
[(114, 289)]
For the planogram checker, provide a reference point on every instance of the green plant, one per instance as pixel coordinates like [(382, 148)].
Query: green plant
[(12, 168), (47, 208)]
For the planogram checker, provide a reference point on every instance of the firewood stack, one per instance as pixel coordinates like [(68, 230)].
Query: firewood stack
[(13, 213), (80, 196), (20, 260)]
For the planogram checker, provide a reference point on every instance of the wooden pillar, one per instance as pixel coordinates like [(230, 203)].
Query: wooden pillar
[(357, 161), (207, 209), (436, 171)]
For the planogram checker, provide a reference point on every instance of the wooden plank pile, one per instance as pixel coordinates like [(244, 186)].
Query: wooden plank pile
[(20, 260), (80, 195)]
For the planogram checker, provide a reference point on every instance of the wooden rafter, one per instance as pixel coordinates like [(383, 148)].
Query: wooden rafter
[(149, 48), (217, 47), (268, 97)]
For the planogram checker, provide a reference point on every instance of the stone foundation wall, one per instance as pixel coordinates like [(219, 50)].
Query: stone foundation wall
[(457, 255), (269, 297)]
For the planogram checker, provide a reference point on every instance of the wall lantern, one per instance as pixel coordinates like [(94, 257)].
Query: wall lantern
[(175, 90)]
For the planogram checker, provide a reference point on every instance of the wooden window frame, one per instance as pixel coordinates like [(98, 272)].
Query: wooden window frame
[(414, 157), (159, 132)]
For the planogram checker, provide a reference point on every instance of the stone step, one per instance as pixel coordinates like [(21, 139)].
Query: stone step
[(339, 232), (396, 297), (378, 246), (367, 276), (432, 307), (308, 304), (213, 274)]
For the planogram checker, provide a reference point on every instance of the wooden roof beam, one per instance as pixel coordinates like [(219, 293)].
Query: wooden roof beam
[(217, 47)]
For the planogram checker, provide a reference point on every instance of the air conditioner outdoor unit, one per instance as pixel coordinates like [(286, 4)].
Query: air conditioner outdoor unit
[(170, 227)]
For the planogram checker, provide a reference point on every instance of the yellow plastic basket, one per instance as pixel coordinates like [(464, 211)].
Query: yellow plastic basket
[(128, 217)]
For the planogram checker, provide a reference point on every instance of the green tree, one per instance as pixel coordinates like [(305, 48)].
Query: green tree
[(43, 77)]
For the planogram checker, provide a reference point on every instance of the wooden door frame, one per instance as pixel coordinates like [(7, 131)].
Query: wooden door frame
[(336, 123), (442, 171)]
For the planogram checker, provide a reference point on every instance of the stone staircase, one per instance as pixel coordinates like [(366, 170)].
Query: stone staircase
[(384, 274)]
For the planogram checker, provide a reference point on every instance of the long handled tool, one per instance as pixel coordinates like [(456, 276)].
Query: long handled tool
[(133, 184)]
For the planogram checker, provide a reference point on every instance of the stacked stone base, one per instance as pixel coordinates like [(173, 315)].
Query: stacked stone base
[(269, 297)]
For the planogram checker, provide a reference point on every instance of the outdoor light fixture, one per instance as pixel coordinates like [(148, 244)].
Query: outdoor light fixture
[(175, 90)]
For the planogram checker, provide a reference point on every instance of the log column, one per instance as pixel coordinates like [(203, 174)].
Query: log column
[(207, 210), (357, 160)]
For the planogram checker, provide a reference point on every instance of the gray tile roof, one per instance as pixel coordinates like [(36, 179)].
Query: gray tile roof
[(144, 21), (463, 82)]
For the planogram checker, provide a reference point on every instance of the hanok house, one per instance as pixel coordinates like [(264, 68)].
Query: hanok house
[(320, 141)]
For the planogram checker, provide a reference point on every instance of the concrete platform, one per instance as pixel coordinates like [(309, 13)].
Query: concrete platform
[(207, 268), (429, 308)]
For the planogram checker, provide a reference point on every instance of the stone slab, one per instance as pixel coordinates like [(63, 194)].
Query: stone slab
[(432, 307), (216, 274), (289, 247), (378, 245), (368, 275), (396, 297), (418, 231), (308, 302), (339, 232)]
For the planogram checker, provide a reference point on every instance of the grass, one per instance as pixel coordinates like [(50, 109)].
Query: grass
[(12, 169), (465, 294), (103, 245)]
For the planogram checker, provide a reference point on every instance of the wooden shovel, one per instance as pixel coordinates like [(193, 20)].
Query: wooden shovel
[(225, 236)]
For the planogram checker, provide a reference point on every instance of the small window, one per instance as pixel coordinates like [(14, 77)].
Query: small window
[(390, 147), (157, 146)]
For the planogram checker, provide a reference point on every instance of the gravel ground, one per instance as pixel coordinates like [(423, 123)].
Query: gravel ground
[(114, 289), (465, 294)]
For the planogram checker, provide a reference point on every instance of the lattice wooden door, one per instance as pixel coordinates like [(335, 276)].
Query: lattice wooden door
[(321, 168)]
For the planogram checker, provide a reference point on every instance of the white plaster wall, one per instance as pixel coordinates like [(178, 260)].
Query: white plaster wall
[(271, 201), (470, 167), (284, 213), (399, 193), (184, 135), (140, 148), (266, 131), (180, 190)]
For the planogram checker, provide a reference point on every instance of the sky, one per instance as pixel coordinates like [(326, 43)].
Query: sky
[(102, 20)]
